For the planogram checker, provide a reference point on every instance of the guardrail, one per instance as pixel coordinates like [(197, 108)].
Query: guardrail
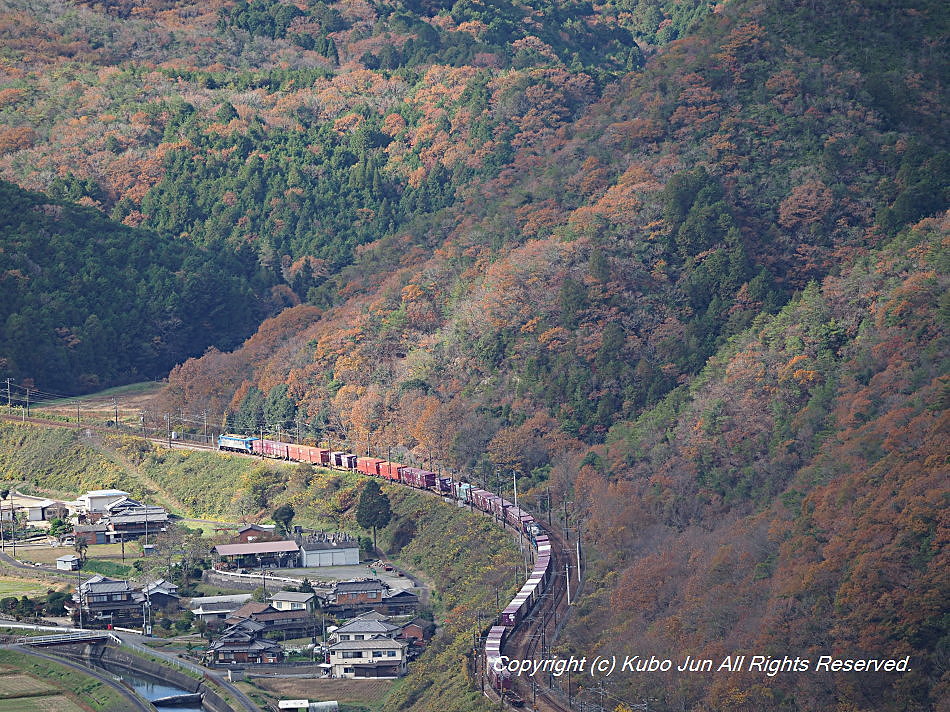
[(67, 638)]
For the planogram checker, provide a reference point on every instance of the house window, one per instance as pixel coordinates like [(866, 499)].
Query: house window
[(391, 654), (348, 654)]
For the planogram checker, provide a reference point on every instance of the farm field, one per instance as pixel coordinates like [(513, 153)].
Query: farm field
[(49, 554), (69, 687), (366, 691), (13, 684), (50, 703), (10, 586)]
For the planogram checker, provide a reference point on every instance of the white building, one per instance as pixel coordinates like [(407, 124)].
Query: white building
[(293, 601), (329, 553), (380, 657), (99, 500), (69, 562)]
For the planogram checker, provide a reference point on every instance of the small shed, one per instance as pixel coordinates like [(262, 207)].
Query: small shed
[(68, 562)]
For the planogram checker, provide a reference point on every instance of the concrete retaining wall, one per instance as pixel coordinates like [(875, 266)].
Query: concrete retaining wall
[(117, 657)]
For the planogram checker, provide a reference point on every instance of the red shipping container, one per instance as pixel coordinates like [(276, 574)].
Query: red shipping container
[(391, 470), (368, 465)]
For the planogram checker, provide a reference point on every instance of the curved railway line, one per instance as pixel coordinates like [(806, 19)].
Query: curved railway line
[(531, 638)]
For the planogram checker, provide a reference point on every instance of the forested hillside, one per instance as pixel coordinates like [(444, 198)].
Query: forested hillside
[(86, 302), (684, 264)]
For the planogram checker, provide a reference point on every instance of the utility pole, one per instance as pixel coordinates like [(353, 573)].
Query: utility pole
[(567, 581), (204, 414), (567, 532), (9, 400), (578, 544), (514, 480), (79, 590), (115, 413), (168, 429), (77, 414)]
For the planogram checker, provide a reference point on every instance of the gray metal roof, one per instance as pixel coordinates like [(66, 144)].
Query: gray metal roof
[(292, 596), (357, 586), (256, 547), (102, 584), (370, 626)]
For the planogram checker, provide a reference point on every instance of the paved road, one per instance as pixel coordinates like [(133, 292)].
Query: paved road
[(133, 701), (48, 571)]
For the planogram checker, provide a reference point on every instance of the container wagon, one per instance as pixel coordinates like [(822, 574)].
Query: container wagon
[(368, 465), (391, 470)]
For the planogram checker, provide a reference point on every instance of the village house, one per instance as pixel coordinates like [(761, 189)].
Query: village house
[(294, 601), (417, 631), (162, 594), (400, 603), (355, 593), (243, 642), (365, 629), (287, 621), (255, 532), (378, 657), (67, 562), (107, 601), (99, 500)]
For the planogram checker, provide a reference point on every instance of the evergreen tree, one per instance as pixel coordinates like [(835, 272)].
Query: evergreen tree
[(373, 509)]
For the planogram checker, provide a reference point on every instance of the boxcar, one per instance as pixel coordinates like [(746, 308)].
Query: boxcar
[(272, 448)]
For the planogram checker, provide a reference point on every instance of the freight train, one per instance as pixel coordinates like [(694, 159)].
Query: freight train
[(463, 492)]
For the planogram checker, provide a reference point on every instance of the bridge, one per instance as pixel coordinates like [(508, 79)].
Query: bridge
[(80, 636)]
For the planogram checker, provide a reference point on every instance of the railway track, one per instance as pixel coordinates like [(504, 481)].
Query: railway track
[(534, 638)]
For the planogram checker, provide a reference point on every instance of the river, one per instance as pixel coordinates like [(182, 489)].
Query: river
[(150, 689)]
